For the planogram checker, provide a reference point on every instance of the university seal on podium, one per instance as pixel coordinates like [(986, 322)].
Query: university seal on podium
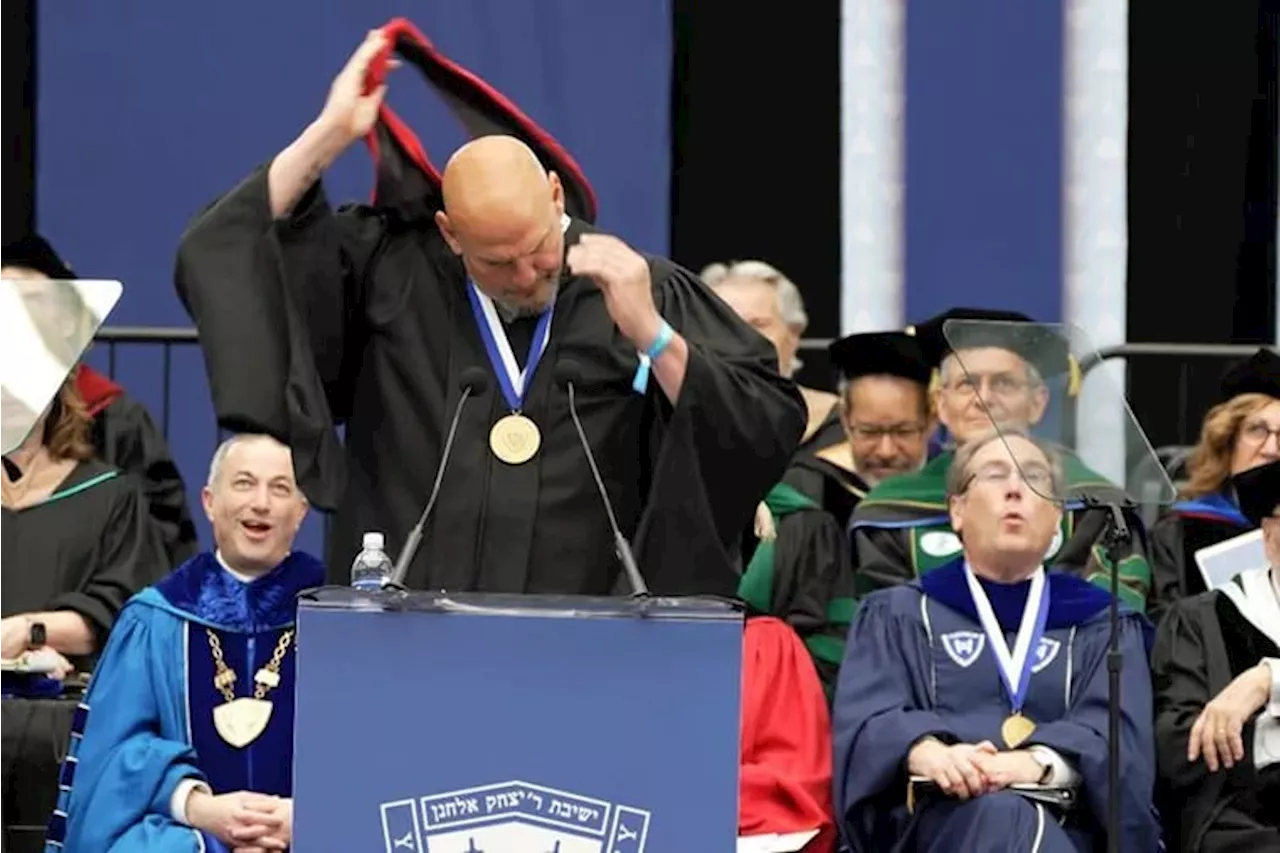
[(513, 816)]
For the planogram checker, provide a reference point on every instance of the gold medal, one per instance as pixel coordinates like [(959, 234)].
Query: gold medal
[(1016, 729), (515, 439)]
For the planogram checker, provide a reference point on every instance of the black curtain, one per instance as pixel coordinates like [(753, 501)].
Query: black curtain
[(756, 144), (1201, 196), (19, 118)]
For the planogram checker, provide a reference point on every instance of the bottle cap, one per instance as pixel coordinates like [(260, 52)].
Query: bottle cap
[(373, 541)]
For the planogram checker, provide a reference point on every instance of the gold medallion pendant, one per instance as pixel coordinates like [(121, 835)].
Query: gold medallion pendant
[(515, 439), (1016, 729), (241, 721)]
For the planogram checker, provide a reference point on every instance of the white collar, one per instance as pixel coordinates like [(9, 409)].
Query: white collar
[(1255, 596), (238, 575)]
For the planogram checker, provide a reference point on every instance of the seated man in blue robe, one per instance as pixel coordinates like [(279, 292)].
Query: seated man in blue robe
[(986, 676), (184, 741)]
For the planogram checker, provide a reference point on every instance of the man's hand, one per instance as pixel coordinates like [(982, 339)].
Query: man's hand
[(953, 768), (1015, 767), (622, 275), (59, 666), (243, 820), (1216, 733), (350, 113), (15, 631), (283, 837)]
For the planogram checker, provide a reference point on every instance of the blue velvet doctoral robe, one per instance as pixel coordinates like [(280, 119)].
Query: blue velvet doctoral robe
[(146, 722), (917, 663)]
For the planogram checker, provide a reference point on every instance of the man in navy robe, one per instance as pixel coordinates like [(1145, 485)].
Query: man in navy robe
[(985, 681), (184, 741)]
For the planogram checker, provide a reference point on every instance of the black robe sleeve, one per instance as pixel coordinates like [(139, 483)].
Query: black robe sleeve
[(726, 441), (278, 307), (883, 558), (129, 557), (1190, 666), (126, 437), (1167, 564)]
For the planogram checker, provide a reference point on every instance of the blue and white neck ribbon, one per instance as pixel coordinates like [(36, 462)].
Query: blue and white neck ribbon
[(511, 379), (1015, 666)]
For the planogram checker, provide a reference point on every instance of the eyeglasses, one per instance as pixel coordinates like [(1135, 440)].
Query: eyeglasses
[(1035, 475), (1001, 385), (1258, 432), (898, 432)]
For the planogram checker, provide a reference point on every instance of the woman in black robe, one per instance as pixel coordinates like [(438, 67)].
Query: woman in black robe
[(76, 542), (1238, 434)]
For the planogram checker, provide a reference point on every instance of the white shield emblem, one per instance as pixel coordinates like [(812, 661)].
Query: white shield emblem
[(940, 543), (512, 816), (1046, 651), (964, 647)]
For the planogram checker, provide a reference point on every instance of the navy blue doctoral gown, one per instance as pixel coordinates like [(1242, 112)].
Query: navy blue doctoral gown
[(917, 663)]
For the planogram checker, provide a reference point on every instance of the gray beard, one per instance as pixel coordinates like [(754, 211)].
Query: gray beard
[(510, 313)]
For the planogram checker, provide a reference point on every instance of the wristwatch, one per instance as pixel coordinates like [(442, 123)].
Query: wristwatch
[(37, 637), (1046, 766)]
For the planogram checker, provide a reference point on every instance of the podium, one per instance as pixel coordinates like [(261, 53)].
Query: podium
[(470, 723)]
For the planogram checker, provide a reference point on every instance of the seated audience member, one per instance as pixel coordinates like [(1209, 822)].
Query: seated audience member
[(160, 756), (771, 304), (785, 781), (1217, 697), (76, 539), (886, 416), (122, 432), (990, 672), (1239, 433), (901, 530)]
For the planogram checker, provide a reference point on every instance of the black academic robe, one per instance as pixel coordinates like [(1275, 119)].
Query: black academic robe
[(1178, 534), (361, 318), (124, 435), (833, 486), (87, 548), (1202, 644)]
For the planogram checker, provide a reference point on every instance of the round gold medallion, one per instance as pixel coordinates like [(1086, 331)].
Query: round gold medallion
[(515, 439)]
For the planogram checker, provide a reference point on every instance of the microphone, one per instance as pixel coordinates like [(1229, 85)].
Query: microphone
[(568, 373), (473, 380)]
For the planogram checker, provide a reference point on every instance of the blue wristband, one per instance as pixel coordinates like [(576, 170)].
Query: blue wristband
[(640, 384)]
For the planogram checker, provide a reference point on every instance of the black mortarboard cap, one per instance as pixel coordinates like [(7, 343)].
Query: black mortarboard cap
[(1257, 374), (34, 253), (1040, 345), (407, 180), (880, 353), (1258, 491)]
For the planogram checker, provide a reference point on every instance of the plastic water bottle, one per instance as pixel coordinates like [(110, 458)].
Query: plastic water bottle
[(371, 567)]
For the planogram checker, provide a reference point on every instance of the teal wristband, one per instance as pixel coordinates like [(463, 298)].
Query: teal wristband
[(640, 384)]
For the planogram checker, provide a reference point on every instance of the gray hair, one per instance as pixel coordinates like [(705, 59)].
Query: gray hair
[(790, 303), (952, 362), (958, 473), (224, 449)]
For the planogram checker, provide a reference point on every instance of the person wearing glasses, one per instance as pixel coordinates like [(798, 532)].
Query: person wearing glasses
[(1240, 433), (971, 711), (1001, 374)]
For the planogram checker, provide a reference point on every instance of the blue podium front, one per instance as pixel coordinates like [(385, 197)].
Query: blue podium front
[(435, 723)]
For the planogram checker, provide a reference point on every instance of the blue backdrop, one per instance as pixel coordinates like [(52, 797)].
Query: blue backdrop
[(148, 110), (983, 159)]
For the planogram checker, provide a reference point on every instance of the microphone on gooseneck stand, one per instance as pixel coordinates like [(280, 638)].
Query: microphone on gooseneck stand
[(473, 381), (568, 374)]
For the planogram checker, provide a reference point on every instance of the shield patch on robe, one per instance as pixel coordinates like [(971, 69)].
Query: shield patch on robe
[(1046, 651), (513, 816), (964, 647)]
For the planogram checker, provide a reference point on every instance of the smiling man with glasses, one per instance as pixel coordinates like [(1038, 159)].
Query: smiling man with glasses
[(1002, 374)]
